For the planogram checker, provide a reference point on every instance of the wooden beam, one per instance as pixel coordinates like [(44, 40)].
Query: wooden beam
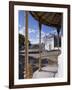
[(26, 45)]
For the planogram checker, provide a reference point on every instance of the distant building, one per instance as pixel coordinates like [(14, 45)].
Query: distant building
[(51, 42)]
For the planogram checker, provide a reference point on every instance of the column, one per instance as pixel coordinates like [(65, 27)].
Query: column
[(26, 45), (39, 46), (58, 31)]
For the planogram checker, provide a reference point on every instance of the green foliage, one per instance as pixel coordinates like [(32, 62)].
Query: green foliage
[(22, 41)]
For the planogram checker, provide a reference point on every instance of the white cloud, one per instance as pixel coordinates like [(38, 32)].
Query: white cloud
[(42, 34), (33, 32), (22, 31)]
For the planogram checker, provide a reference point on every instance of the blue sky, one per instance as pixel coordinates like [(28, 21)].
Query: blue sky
[(33, 28)]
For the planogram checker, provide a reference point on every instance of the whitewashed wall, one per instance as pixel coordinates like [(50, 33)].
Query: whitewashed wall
[(49, 45)]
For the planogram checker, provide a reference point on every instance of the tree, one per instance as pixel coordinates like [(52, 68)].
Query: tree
[(22, 41)]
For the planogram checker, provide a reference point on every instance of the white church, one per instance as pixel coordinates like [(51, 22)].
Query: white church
[(51, 42)]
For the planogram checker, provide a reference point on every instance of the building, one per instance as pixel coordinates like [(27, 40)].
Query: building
[(51, 42)]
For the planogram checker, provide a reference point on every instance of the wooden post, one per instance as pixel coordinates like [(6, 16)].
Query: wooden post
[(39, 46), (26, 45)]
